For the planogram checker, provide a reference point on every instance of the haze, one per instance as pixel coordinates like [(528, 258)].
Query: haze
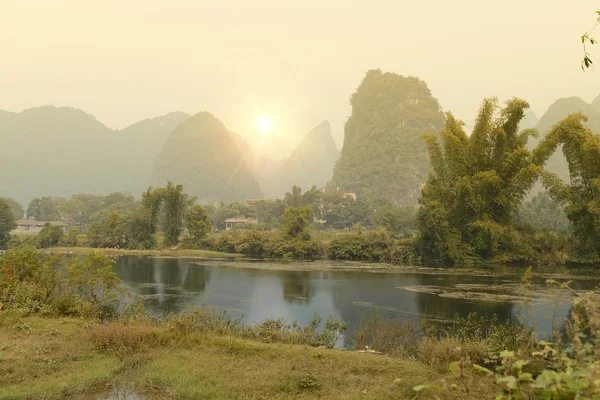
[(300, 62)]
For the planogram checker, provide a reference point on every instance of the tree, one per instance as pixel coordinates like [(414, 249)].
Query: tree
[(581, 195), (50, 235), (46, 208), (197, 224), (16, 208), (7, 222), (476, 184), (176, 203), (295, 222)]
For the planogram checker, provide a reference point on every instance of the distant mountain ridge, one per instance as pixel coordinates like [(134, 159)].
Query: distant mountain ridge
[(559, 110), (59, 151), (203, 156), (310, 163)]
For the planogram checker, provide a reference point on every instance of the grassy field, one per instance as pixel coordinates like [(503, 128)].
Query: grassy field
[(80, 359)]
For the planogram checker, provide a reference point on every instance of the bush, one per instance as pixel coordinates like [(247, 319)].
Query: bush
[(30, 282), (49, 236), (388, 336)]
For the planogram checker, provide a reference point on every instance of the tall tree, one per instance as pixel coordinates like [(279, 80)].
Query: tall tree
[(16, 208), (581, 195), (295, 222), (477, 183), (7, 222), (176, 203), (197, 224)]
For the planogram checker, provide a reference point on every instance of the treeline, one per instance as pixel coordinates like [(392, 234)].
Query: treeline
[(472, 200)]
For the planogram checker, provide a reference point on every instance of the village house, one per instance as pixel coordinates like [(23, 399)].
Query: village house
[(231, 222)]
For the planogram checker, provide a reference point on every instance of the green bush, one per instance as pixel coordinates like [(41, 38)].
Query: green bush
[(50, 236)]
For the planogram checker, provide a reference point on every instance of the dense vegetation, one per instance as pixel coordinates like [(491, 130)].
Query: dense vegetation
[(383, 154), (581, 194), (202, 155)]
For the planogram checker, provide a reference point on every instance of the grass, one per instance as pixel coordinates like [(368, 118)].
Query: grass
[(156, 253), (62, 358)]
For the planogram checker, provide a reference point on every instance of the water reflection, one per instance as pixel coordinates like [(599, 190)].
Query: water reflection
[(297, 287), (173, 285)]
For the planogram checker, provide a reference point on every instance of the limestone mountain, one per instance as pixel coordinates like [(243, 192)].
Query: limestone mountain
[(560, 109), (310, 163), (529, 121), (384, 154), (60, 151), (202, 155)]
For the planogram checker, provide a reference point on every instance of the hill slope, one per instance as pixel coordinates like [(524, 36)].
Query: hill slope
[(384, 154), (311, 163), (560, 109), (59, 151), (202, 155)]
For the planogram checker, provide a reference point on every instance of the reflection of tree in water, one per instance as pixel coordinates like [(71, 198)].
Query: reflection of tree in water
[(297, 287), (162, 281)]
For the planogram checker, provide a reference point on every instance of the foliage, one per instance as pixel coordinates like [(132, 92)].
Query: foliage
[(7, 222), (16, 208), (28, 280), (542, 212), (175, 203), (581, 195), (31, 282), (587, 38), (50, 235), (197, 225), (93, 282), (110, 233), (71, 238), (383, 154), (476, 184), (295, 222), (45, 208)]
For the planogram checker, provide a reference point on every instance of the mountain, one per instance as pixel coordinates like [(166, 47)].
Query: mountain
[(138, 145), (529, 121), (310, 163), (560, 109), (202, 155), (384, 154), (60, 151)]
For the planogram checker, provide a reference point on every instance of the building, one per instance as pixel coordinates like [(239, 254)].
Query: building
[(30, 226), (231, 222)]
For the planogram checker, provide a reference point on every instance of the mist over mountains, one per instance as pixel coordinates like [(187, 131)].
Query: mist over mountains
[(60, 151)]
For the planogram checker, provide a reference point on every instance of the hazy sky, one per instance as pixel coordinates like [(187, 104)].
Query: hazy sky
[(299, 61)]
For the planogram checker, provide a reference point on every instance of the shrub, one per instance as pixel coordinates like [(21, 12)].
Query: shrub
[(50, 236), (388, 336)]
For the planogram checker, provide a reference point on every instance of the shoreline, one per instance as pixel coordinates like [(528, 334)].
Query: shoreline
[(204, 257)]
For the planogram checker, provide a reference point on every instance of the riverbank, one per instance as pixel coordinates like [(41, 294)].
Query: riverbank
[(144, 253), (81, 358)]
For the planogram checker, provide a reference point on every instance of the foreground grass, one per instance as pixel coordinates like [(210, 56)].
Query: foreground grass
[(77, 358), (155, 253)]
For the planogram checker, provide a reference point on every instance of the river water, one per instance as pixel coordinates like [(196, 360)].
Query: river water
[(175, 285)]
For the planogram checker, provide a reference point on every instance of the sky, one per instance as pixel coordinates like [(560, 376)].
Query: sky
[(295, 62)]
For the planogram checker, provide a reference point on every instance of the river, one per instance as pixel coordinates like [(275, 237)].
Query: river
[(257, 293)]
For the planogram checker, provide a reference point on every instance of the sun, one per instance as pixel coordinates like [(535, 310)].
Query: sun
[(264, 125)]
